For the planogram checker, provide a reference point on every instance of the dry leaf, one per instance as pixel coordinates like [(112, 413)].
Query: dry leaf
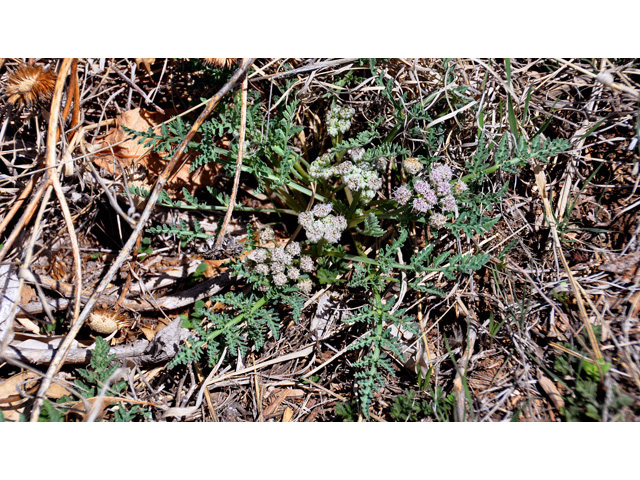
[(214, 267), (271, 409), (146, 62), (78, 413), (221, 62), (149, 333), (129, 151), (22, 382), (27, 294), (287, 415), (28, 324), (551, 390), (57, 391), (131, 154), (16, 391), (635, 305)]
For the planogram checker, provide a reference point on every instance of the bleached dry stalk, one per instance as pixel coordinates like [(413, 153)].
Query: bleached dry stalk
[(236, 177)]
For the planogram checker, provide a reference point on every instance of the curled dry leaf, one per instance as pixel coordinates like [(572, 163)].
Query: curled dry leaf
[(287, 416), (28, 325), (16, 393), (127, 151), (118, 150), (146, 62), (551, 390)]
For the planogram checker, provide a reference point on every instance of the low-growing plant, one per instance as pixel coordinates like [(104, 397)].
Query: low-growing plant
[(102, 366), (354, 201), (583, 381)]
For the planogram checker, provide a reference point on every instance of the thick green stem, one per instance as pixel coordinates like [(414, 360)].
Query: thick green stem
[(239, 318), (370, 261)]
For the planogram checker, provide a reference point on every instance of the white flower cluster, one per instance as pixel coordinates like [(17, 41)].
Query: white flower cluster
[(279, 265), (321, 168), (320, 223), (339, 120), (266, 235), (435, 190), (358, 174)]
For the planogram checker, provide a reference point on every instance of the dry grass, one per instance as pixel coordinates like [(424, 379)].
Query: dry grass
[(563, 288)]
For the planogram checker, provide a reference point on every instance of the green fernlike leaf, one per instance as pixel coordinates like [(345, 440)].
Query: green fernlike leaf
[(372, 226)]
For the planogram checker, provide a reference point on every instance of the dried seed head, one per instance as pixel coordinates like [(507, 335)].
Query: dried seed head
[(107, 322), (412, 165), (220, 62), (28, 85)]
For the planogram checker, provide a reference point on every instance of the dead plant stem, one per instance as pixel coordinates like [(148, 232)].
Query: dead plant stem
[(236, 178)]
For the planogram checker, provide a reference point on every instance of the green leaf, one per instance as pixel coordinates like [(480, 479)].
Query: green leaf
[(326, 276), (372, 226)]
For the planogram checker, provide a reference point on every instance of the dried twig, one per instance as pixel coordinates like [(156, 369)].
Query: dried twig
[(236, 177), (137, 89)]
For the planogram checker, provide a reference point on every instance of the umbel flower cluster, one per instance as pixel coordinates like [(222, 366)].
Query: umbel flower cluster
[(282, 265), (433, 194), (357, 174), (339, 120), (319, 223)]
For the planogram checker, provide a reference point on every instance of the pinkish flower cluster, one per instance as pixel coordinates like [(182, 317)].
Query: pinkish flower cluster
[(279, 265), (436, 190)]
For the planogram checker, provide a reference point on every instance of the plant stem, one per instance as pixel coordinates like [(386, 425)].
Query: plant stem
[(491, 169), (239, 318)]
